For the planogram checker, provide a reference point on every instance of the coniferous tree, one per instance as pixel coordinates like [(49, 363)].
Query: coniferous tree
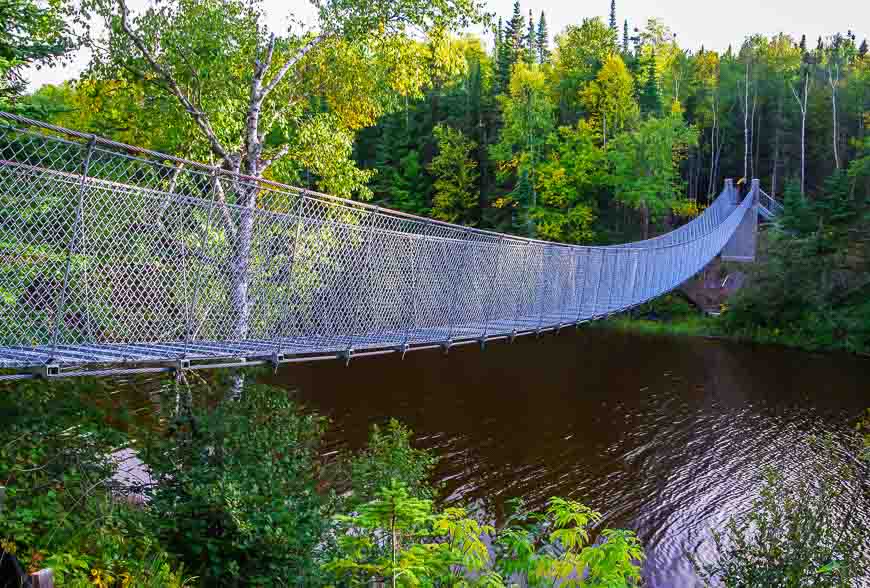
[(543, 42), (514, 32), (613, 16), (803, 45), (530, 41), (502, 58), (625, 37), (650, 95), (456, 176), (497, 52), (513, 47), (862, 51)]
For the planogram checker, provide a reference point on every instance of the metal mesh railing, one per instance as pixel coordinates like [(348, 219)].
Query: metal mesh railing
[(116, 255), (768, 207)]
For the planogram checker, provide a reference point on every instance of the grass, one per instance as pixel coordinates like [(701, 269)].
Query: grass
[(675, 316)]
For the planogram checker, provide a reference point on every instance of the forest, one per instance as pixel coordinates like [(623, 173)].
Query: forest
[(604, 132)]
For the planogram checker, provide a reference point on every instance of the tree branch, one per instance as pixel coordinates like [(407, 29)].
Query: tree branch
[(278, 155), (253, 140), (222, 202), (290, 63), (198, 116)]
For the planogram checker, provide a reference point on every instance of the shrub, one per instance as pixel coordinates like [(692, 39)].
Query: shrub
[(402, 538), (236, 495), (61, 510), (389, 457), (797, 533)]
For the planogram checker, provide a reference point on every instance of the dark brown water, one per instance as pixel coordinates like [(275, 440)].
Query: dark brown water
[(666, 436)]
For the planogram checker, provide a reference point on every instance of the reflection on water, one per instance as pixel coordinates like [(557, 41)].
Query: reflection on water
[(665, 436)]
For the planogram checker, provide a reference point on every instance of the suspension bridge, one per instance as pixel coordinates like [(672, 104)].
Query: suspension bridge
[(117, 259)]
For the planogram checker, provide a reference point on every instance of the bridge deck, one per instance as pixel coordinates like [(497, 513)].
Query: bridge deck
[(71, 356), (114, 258)]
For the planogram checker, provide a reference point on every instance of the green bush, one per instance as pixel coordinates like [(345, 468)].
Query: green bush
[(60, 510), (796, 534), (236, 495), (803, 292), (397, 537), (389, 457)]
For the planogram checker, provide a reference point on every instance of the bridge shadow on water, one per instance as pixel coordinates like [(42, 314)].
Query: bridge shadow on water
[(667, 436)]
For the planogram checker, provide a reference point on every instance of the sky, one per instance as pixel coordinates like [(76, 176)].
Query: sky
[(714, 25)]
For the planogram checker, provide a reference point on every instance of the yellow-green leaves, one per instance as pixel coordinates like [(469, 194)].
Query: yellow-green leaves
[(564, 557), (568, 183), (397, 536), (609, 98), (456, 174)]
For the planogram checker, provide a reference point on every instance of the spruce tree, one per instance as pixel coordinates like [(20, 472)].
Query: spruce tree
[(514, 32), (613, 26), (862, 51), (543, 42), (650, 97), (625, 37), (803, 44), (502, 57), (513, 46), (530, 40)]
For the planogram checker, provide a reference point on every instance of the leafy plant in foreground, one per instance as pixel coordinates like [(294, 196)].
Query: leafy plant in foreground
[(554, 548), (401, 539)]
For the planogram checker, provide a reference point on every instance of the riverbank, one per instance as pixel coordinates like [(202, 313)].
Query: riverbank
[(673, 315)]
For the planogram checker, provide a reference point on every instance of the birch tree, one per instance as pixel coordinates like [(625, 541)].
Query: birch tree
[(254, 96), (801, 99)]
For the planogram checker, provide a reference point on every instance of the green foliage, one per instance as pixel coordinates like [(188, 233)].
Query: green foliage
[(399, 537), (31, 33), (236, 489), (289, 104), (388, 458), (511, 48), (542, 40), (456, 177), (554, 548), (61, 509), (528, 120), (812, 285), (793, 536), (609, 99), (567, 185), (649, 95), (580, 53), (239, 494), (644, 172)]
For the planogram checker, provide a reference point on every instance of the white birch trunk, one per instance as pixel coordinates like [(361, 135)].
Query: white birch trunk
[(835, 81), (802, 103), (746, 124)]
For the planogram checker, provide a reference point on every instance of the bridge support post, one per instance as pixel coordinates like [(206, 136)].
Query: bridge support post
[(729, 187), (742, 246)]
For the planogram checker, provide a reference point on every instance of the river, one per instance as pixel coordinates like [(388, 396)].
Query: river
[(666, 436)]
